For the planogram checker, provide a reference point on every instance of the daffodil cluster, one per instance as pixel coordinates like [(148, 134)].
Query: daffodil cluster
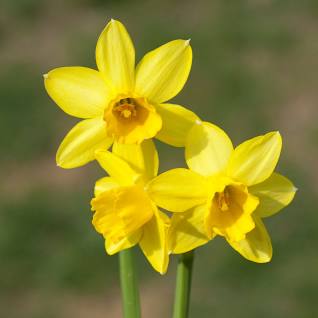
[(225, 191)]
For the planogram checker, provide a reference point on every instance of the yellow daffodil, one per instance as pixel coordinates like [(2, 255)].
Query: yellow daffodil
[(226, 192), (124, 213), (118, 102)]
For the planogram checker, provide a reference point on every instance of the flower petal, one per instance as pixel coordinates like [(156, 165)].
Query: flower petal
[(256, 246), (79, 91), (142, 157), (239, 222), (121, 211), (274, 193), (154, 241), (162, 73), (117, 168), (79, 145), (127, 242), (115, 57), (178, 190), (105, 184), (208, 149), (254, 160), (187, 230), (176, 124)]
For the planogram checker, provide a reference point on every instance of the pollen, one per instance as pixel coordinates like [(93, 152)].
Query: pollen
[(125, 108), (126, 113)]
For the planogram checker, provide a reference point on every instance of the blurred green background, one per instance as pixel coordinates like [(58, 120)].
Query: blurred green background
[(255, 69)]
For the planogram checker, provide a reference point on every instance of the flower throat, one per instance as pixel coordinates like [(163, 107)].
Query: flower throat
[(125, 108), (222, 199)]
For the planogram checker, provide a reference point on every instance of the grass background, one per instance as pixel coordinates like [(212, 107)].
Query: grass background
[(254, 70)]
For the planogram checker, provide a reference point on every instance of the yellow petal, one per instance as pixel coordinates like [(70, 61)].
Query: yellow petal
[(79, 91), (79, 145), (274, 193), (104, 184), (121, 211), (230, 213), (245, 223), (142, 157), (117, 168), (208, 149), (187, 230), (178, 190), (115, 57), (162, 73), (127, 242), (254, 160), (176, 124), (154, 241), (256, 246)]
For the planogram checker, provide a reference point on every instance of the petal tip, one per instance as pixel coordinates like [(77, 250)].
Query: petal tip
[(268, 259), (62, 165), (187, 42), (58, 161), (278, 136), (114, 21), (276, 133), (274, 136)]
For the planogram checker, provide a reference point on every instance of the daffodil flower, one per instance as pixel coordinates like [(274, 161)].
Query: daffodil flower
[(118, 102), (124, 213), (226, 192)]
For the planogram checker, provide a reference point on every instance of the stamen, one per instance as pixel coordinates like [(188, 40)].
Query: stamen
[(125, 108), (222, 200), (126, 113)]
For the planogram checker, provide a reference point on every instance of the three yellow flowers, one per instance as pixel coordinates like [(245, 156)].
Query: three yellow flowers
[(224, 192)]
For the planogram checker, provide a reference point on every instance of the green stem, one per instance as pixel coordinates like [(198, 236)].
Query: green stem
[(183, 285), (128, 282)]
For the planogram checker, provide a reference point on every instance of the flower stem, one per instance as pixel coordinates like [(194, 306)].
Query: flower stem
[(183, 285), (128, 282)]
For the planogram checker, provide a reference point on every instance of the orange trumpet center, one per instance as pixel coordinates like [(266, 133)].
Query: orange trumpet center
[(131, 120), (125, 108)]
